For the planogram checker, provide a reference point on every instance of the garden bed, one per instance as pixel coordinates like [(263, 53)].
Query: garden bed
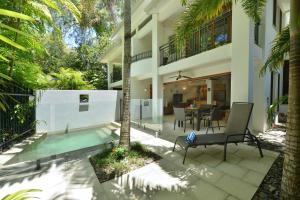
[(118, 161)]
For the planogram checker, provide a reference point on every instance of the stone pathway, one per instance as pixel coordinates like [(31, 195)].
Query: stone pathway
[(204, 175)]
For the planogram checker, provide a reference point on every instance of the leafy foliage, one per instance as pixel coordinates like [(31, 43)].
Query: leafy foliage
[(280, 48), (119, 160), (272, 109), (3, 82), (69, 79), (21, 195), (200, 11)]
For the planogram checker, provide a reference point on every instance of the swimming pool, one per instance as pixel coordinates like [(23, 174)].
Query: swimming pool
[(64, 142)]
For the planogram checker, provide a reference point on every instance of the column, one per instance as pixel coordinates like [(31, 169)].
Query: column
[(241, 62), (210, 89), (157, 84)]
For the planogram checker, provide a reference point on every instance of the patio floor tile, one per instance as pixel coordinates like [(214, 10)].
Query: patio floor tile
[(236, 187), (209, 160), (261, 165), (207, 173), (231, 198), (253, 178), (167, 195), (203, 190), (232, 169)]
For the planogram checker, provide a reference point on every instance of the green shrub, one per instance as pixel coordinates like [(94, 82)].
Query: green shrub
[(119, 153)]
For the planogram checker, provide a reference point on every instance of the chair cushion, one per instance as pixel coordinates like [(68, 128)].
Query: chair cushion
[(191, 137), (207, 139)]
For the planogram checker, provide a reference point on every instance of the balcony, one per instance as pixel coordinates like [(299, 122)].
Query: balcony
[(211, 35), (141, 56)]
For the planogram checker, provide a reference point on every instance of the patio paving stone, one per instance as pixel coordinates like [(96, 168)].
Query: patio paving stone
[(204, 190), (209, 160), (261, 165), (253, 178), (232, 169), (231, 198), (236, 187)]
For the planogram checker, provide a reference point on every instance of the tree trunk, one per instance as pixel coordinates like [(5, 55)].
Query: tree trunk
[(290, 187), (125, 124)]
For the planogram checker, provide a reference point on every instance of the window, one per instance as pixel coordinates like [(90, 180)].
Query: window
[(280, 20), (84, 98), (256, 34), (285, 84), (274, 12)]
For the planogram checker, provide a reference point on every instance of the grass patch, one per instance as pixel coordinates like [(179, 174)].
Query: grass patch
[(118, 161)]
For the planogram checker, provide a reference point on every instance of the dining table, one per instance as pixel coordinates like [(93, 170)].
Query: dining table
[(197, 111)]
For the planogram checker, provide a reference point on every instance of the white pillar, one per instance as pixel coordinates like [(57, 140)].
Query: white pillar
[(240, 63), (157, 84), (209, 84)]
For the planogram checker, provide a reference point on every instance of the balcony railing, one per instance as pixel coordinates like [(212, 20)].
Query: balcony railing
[(141, 56), (215, 33)]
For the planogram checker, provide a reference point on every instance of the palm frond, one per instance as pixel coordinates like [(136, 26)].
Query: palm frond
[(52, 4), (72, 7), (280, 48), (10, 13), (42, 11), (22, 194), (14, 30), (184, 2), (254, 8), (197, 13), (3, 58), (3, 81), (12, 43)]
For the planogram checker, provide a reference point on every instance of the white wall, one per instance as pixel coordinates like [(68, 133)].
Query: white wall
[(58, 110), (261, 87), (140, 89), (141, 68)]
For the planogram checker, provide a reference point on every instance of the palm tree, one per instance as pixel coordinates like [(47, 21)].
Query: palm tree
[(291, 166), (288, 40), (125, 124)]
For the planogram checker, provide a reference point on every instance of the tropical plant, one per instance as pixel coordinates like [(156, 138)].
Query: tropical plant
[(199, 11), (21, 195), (125, 124), (69, 79), (21, 40), (272, 108), (279, 51), (3, 82)]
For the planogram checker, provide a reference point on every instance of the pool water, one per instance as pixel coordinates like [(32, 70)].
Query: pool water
[(64, 142)]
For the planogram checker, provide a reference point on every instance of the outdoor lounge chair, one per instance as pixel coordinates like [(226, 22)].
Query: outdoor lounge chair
[(236, 131)]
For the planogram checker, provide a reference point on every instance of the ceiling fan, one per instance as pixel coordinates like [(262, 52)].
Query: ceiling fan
[(179, 76)]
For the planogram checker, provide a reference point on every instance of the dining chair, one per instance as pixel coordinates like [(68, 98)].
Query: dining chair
[(216, 115), (181, 116)]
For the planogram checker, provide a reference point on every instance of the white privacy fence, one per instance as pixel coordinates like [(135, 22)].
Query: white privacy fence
[(62, 110)]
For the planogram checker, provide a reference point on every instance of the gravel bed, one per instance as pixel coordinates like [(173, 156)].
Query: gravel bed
[(270, 187)]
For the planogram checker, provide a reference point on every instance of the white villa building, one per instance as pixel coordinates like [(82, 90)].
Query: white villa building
[(223, 58)]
